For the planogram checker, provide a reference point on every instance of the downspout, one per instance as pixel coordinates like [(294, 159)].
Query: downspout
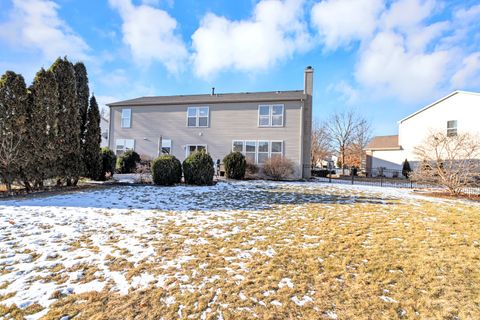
[(302, 108)]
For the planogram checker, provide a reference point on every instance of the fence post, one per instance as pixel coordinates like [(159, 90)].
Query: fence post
[(381, 180), (353, 176)]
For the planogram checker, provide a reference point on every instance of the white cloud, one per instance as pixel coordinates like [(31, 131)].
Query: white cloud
[(405, 49), (275, 32), (151, 34), (347, 92), (388, 67), (339, 22), (469, 73), (35, 24)]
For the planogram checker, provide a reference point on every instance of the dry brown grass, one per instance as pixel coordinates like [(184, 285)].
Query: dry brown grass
[(373, 257), (359, 261)]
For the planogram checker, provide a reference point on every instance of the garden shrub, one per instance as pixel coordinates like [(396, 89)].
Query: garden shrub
[(127, 162), (235, 165), (278, 168), (198, 168), (109, 160), (166, 170), (251, 168)]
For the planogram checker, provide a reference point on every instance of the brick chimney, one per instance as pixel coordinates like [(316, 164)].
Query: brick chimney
[(307, 123)]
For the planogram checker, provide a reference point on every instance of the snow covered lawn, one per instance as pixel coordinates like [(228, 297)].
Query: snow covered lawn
[(240, 250)]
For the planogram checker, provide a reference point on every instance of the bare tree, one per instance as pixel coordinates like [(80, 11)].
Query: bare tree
[(345, 129), (355, 152), (321, 148), (450, 161)]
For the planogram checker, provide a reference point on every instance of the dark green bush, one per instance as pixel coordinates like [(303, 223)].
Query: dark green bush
[(166, 170), (108, 162), (198, 169), (127, 162), (235, 165)]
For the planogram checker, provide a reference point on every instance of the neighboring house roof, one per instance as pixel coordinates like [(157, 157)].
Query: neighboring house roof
[(384, 143), (438, 101), (215, 98)]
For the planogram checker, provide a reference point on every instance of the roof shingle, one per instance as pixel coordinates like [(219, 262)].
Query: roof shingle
[(216, 98)]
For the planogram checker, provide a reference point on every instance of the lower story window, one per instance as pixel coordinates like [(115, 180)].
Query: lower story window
[(191, 148), (122, 145), (258, 151), (166, 146)]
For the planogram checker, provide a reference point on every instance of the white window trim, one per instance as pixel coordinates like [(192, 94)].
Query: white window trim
[(124, 145), (243, 144), (270, 116), (187, 147), (283, 147), (197, 117), (451, 130), (122, 118), (161, 146), (256, 147)]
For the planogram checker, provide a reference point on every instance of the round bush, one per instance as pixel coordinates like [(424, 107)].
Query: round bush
[(166, 170), (108, 162), (127, 162), (198, 169), (235, 165)]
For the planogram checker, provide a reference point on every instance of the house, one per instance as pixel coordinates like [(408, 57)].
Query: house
[(104, 125), (258, 124), (457, 112)]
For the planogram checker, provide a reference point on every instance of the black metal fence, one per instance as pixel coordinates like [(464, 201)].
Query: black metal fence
[(380, 177)]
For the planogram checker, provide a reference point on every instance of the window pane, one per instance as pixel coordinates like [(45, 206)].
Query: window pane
[(451, 124), (250, 146), (277, 120), (192, 122), (263, 146), (192, 112), (203, 112), (129, 144), (120, 143), (167, 143), (264, 110), (237, 146), (250, 157), (277, 146), (203, 121), (126, 113), (192, 148), (262, 157), (264, 121), (277, 110), (201, 148), (165, 150)]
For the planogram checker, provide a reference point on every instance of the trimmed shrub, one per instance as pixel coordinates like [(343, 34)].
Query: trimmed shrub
[(108, 162), (166, 170), (235, 165), (278, 168), (198, 169), (127, 162)]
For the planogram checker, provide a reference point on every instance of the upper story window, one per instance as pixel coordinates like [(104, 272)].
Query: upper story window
[(126, 118), (198, 117), (451, 128), (270, 115)]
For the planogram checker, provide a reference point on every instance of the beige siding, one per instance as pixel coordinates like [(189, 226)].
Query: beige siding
[(234, 121)]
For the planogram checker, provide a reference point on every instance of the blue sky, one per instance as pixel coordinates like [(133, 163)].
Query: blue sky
[(385, 59)]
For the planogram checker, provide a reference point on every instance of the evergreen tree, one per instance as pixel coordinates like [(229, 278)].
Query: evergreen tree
[(43, 127), (92, 156), (13, 127), (68, 134), (83, 94), (406, 169)]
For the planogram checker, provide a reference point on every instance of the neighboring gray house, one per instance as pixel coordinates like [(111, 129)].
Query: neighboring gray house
[(258, 124), (104, 131)]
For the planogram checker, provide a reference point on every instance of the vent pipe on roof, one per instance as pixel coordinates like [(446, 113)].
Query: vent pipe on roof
[(213, 91)]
